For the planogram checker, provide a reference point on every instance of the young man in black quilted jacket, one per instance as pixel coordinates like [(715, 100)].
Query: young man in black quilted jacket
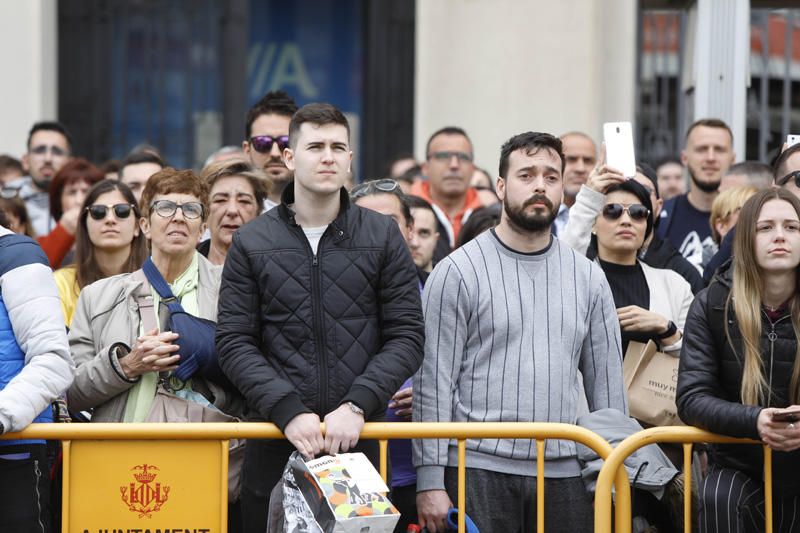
[(319, 316)]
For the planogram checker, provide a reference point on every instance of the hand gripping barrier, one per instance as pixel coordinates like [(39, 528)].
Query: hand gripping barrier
[(684, 435), (221, 432)]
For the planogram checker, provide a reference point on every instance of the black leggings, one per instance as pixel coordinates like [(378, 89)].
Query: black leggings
[(24, 488), (730, 500)]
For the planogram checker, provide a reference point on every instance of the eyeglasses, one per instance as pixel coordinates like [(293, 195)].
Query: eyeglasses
[(370, 187), (445, 157), (43, 149), (788, 177), (9, 193), (263, 143), (167, 209), (99, 212), (637, 212)]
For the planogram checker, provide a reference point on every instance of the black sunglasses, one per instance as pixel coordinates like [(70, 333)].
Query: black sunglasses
[(635, 211), (788, 177), (99, 212), (263, 143)]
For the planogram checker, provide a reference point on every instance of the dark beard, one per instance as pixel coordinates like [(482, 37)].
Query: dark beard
[(702, 185), (532, 223)]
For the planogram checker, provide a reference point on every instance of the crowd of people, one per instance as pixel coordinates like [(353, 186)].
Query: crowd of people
[(270, 286)]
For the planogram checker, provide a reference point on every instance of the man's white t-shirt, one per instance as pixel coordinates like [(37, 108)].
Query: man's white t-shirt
[(314, 235)]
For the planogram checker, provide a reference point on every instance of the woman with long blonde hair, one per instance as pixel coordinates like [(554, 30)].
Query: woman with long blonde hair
[(740, 366)]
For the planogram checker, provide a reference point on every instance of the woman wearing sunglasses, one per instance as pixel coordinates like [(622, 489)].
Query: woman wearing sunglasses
[(118, 361), (652, 303), (108, 242), (740, 364)]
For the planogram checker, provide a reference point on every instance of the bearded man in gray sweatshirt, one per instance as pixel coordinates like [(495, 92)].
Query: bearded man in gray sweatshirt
[(510, 318)]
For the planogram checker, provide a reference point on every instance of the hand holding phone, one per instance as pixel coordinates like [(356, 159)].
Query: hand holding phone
[(790, 414), (618, 137)]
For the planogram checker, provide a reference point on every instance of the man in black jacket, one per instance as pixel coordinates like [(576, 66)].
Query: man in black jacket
[(319, 314)]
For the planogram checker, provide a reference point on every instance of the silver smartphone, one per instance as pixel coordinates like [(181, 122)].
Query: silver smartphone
[(792, 140), (618, 137)]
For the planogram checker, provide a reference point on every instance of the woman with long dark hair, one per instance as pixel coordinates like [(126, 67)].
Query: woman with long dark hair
[(740, 364), (108, 241)]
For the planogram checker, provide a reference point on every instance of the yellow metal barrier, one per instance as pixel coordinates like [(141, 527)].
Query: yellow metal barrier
[(380, 431), (687, 436)]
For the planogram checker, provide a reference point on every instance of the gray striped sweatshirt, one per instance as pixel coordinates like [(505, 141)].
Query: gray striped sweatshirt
[(505, 336)]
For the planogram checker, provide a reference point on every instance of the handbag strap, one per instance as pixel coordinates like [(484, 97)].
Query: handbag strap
[(161, 286), (145, 302)]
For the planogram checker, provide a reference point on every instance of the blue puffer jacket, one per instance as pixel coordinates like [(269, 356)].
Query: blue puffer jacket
[(34, 359)]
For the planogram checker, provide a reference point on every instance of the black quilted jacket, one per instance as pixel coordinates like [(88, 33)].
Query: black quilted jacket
[(710, 377), (299, 333)]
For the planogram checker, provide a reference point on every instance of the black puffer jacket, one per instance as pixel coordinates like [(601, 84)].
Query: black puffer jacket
[(303, 333), (710, 377)]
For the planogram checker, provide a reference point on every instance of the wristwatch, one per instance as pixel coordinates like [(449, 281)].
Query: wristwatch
[(356, 409), (671, 330)]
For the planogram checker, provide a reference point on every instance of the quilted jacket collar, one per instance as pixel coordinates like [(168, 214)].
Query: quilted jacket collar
[(339, 226)]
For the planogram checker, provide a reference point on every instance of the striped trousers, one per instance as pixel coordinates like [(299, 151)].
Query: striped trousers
[(732, 501)]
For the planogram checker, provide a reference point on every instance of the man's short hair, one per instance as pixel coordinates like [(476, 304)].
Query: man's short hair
[(780, 168), (531, 141), (50, 125), (758, 174), (447, 130), (272, 103), (709, 123), (647, 171), (320, 114), (415, 202), (136, 158), (9, 164), (238, 167)]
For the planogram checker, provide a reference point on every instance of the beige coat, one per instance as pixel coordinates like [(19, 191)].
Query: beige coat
[(107, 314)]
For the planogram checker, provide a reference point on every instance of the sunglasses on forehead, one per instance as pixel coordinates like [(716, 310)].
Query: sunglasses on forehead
[(370, 187), (263, 143), (99, 212), (637, 212)]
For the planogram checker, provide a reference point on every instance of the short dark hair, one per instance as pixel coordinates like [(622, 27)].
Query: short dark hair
[(639, 192), (136, 158), (779, 169), (709, 123), (272, 103), (50, 125), (480, 220), (8, 164), (320, 114), (647, 171), (530, 141), (415, 202), (447, 130), (411, 174)]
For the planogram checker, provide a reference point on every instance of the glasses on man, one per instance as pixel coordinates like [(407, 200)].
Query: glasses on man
[(167, 209), (99, 212), (446, 156), (42, 149), (790, 176), (371, 187), (263, 143), (637, 212)]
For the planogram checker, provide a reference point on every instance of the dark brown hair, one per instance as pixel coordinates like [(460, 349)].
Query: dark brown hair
[(87, 269), (318, 114), (74, 171)]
